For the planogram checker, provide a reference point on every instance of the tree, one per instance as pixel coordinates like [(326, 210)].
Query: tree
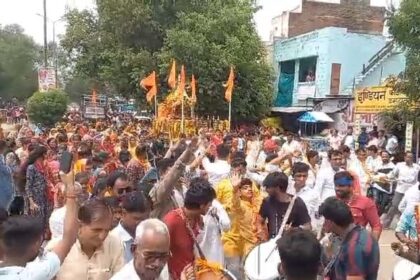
[(404, 25), (18, 56), (208, 42), (127, 39), (47, 108)]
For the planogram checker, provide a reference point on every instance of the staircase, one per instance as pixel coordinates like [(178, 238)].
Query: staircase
[(373, 63)]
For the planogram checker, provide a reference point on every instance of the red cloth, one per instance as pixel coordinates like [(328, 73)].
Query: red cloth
[(364, 212), (182, 244)]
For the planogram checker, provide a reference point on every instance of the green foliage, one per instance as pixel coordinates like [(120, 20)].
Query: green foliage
[(47, 108), (18, 55), (127, 39), (405, 27)]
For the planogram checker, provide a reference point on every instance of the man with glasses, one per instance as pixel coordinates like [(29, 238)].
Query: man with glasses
[(151, 252), (119, 183)]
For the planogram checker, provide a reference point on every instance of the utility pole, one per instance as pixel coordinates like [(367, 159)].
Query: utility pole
[(55, 56), (45, 35)]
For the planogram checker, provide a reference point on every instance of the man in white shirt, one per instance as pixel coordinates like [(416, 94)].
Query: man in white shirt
[(290, 146), (220, 168), (298, 187), (349, 140), (334, 140), (22, 238), (135, 209), (151, 252), (373, 161), (391, 144), (406, 174), (324, 184), (382, 189)]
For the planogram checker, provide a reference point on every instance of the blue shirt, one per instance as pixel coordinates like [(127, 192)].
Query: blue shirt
[(407, 225)]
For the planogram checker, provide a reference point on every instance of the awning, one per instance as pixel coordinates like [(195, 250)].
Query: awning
[(290, 109), (314, 117)]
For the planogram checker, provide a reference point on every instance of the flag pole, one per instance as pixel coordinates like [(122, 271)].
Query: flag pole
[(156, 106), (182, 113), (230, 113)]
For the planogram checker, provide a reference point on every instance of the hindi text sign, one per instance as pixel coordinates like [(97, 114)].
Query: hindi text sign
[(376, 99)]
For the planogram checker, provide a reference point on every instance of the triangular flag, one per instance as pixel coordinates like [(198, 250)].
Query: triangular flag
[(229, 85), (149, 83), (172, 76), (181, 86), (94, 96), (193, 90)]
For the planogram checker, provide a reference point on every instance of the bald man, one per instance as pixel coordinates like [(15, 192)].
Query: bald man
[(150, 251)]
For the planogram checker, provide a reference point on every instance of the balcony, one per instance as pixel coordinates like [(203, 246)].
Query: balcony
[(305, 90)]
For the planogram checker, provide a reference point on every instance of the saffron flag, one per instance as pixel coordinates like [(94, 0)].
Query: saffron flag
[(229, 86), (172, 76), (181, 86), (149, 83), (94, 96), (193, 90)]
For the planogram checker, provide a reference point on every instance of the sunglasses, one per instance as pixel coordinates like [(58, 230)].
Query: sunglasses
[(124, 190)]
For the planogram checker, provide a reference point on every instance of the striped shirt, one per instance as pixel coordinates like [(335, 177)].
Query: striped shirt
[(359, 256)]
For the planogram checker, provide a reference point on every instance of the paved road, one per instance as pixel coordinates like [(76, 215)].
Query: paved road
[(388, 258)]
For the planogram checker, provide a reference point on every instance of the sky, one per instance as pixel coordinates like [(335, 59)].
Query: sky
[(24, 13)]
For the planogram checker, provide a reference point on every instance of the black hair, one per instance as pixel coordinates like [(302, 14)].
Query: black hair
[(164, 164), (238, 155), (124, 156), (332, 153), (343, 174), (3, 145), (300, 254), (19, 233), (372, 148), (114, 176), (336, 211), (100, 185), (92, 210), (311, 154), (300, 167), (223, 151), (276, 180), (344, 149), (135, 202), (199, 193), (238, 162), (38, 152), (141, 150), (360, 150), (81, 176), (246, 181), (270, 157)]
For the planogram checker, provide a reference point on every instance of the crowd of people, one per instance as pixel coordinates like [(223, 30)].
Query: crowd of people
[(140, 206)]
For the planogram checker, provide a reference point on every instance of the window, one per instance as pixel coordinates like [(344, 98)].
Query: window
[(287, 67), (307, 69)]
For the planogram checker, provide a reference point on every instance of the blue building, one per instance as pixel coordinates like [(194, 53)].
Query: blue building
[(329, 64)]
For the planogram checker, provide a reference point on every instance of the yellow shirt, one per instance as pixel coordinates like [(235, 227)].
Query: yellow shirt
[(104, 263), (243, 214)]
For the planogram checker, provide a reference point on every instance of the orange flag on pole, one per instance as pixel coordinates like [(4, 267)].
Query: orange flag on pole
[(193, 90), (181, 86), (172, 76), (149, 83), (94, 96), (229, 85)]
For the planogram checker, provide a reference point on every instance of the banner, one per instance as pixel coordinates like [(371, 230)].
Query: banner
[(46, 79), (409, 137), (376, 99)]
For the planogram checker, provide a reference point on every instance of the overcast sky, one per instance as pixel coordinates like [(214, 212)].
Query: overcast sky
[(24, 13)]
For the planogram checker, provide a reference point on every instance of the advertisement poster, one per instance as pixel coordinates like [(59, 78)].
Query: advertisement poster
[(46, 79)]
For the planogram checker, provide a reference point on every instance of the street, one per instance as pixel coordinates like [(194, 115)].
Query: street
[(388, 258)]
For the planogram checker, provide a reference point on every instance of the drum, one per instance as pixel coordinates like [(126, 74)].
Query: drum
[(406, 270), (262, 262), (211, 271)]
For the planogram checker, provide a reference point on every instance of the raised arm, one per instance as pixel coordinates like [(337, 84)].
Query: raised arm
[(70, 219)]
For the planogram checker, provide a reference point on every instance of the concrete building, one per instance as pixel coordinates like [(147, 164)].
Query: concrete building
[(324, 50)]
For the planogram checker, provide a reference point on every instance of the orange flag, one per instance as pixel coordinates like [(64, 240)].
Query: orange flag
[(94, 96), (193, 90), (149, 83), (172, 76), (229, 85), (181, 86)]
